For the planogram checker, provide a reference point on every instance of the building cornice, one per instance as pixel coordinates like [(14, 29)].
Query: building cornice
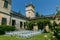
[(30, 10), (15, 14), (4, 13)]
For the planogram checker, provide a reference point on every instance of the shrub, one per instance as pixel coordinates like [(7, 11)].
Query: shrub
[(12, 28), (2, 32), (7, 28), (4, 28)]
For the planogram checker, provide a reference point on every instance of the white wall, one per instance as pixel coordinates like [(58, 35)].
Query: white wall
[(5, 10), (18, 22), (4, 16)]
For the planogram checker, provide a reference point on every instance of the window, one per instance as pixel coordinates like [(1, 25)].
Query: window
[(5, 4), (28, 12), (4, 21)]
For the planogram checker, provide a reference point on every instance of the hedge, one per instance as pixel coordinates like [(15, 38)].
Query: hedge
[(2, 32), (4, 28)]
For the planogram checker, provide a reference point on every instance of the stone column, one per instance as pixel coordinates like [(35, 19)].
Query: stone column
[(22, 25), (26, 27), (0, 21), (18, 25), (8, 20), (35, 28), (47, 28)]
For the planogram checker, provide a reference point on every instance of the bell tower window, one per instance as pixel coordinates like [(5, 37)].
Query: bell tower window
[(5, 4)]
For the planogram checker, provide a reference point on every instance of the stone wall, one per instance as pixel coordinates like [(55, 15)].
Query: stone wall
[(47, 28), (5, 10), (4, 16), (56, 20), (35, 28), (18, 20)]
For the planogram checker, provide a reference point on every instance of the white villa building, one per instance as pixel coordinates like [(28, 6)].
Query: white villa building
[(8, 17)]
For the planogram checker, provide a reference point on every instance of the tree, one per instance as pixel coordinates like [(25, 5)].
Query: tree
[(37, 15), (58, 13), (41, 23)]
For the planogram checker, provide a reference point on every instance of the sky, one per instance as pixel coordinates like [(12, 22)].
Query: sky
[(44, 7)]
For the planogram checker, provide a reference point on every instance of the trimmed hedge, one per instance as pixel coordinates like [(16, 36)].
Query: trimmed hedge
[(2, 32), (4, 28), (7, 28)]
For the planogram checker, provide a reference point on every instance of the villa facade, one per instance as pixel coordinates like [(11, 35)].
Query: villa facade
[(5, 7), (8, 17)]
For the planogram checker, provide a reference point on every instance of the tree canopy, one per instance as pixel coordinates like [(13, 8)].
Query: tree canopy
[(58, 13), (37, 15), (41, 23)]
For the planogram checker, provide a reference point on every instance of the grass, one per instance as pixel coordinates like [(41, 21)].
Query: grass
[(36, 37)]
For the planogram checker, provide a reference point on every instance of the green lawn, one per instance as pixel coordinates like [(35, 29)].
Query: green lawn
[(36, 37)]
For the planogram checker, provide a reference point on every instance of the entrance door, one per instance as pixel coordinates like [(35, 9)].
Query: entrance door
[(13, 22)]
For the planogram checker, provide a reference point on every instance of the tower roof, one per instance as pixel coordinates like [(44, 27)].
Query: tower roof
[(27, 5)]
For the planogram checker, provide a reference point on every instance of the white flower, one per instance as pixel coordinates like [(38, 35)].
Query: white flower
[(45, 36)]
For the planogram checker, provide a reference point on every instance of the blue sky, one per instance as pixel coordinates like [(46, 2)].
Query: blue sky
[(44, 7)]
